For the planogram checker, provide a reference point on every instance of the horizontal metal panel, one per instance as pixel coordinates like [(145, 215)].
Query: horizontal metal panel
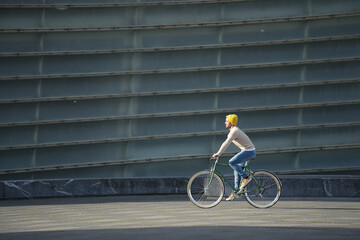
[(289, 74), (331, 114), (332, 49), (177, 114), (263, 119), (11, 42), (316, 6), (37, 18), (307, 160), (259, 98), (175, 37), (262, 54), (104, 3), (106, 85), (151, 15), (85, 139), (331, 71), (322, 6), (17, 135), (65, 87), (246, 77), (80, 154), (330, 136), (186, 168), (341, 92), (211, 123), (337, 26), (184, 25), (64, 110), (172, 147), (121, 130), (169, 82), (87, 64), (10, 66), (180, 48), (172, 125), (176, 92), (71, 109), (88, 41), (21, 18), (86, 86), (18, 112), (192, 146), (270, 140), (174, 103), (17, 159), (121, 88), (82, 131), (90, 17), (275, 162), (270, 9), (178, 59), (170, 160), (329, 159), (11, 89), (181, 70)]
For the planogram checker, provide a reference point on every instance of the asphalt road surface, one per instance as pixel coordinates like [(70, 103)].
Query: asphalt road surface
[(175, 217)]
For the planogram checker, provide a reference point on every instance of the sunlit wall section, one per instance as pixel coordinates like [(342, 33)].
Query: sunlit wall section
[(139, 89)]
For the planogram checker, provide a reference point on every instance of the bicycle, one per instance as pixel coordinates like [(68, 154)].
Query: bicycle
[(206, 188)]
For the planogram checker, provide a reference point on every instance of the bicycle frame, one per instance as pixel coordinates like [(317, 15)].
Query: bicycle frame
[(214, 169)]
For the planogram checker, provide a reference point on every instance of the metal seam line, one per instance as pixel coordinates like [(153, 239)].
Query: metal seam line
[(182, 70), (178, 48), (162, 159), (180, 114), (181, 135), (125, 4), (175, 26), (317, 170)]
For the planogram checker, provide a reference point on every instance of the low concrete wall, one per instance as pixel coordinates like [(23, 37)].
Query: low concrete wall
[(293, 186), (320, 186)]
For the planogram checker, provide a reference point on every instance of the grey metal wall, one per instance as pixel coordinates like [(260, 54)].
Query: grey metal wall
[(132, 89)]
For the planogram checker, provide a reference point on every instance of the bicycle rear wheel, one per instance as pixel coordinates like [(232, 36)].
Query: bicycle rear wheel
[(205, 189), (264, 190)]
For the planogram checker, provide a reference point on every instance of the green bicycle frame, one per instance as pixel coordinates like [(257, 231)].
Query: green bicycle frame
[(217, 171)]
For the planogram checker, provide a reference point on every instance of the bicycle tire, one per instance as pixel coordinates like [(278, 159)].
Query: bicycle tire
[(264, 190), (201, 193)]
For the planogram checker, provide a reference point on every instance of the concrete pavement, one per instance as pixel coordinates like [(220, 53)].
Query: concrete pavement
[(175, 217)]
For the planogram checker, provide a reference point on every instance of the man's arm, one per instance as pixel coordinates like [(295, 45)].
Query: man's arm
[(225, 145)]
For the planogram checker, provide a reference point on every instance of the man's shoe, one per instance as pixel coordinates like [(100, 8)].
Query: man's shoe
[(244, 183), (231, 197)]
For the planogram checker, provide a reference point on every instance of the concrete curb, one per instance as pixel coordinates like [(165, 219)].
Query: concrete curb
[(292, 186)]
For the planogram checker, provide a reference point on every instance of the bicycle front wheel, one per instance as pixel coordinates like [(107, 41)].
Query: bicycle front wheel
[(205, 189), (264, 190)]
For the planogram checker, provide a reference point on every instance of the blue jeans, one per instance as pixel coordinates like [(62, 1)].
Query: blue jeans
[(236, 161)]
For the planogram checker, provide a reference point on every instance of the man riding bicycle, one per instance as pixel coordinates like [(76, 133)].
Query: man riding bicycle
[(248, 151)]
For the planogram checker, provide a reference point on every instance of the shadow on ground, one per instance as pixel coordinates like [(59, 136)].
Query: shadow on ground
[(198, 233)]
